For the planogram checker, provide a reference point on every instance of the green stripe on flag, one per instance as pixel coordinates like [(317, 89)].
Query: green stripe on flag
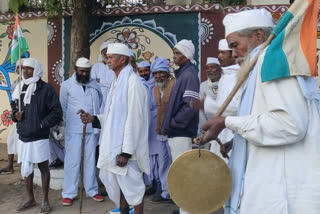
[(275, 64)]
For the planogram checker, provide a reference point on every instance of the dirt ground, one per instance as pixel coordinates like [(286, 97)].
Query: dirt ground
[(12, 192)]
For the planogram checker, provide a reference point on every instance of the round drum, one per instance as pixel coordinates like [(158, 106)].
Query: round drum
[(199, 185)]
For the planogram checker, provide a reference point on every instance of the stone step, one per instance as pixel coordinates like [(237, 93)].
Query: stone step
[(56, 178)]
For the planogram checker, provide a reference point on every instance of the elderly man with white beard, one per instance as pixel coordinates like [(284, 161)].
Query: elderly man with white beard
[(209, 88), (161, 93), (275, 157)]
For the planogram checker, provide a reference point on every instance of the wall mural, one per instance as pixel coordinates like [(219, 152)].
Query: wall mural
[(147, 35), (144, 38), (149, 30)]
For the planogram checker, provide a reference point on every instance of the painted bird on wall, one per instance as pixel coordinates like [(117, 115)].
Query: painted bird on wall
[(5, 69)]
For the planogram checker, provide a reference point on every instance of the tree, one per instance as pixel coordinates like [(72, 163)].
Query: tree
[(80, 46)]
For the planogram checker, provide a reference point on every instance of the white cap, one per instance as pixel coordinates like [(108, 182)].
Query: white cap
[(105, 45), (83, 62), (223, 45), (247, 19), (118, 48), (29, 62), (212, 60), (186, 47), (131, 52), (144, 64)]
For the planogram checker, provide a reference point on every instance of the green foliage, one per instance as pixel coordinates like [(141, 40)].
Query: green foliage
[(14, 5), (53, 7)]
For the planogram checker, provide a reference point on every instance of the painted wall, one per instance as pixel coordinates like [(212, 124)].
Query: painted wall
[(149, 31), (35, 32)]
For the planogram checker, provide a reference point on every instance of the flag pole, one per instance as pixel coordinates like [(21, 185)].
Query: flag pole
[(20, 75)]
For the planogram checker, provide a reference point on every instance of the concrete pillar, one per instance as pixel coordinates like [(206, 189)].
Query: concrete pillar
[(4, 6), (183, 2), (267, 2)]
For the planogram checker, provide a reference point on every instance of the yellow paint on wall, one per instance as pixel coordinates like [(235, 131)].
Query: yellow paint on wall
[(37, 41)]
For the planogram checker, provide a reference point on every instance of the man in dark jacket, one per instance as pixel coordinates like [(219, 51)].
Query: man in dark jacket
[(181, 122), (39, 110)]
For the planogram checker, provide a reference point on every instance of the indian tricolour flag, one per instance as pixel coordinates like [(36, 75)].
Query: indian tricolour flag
[(293, 51), (18, 42)]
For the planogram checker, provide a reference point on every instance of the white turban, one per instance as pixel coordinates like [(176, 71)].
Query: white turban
[(247, 19), (83, 62), (186, 47), (29, 62), (104, 45), (118, 48), (212, 60), (31, 82), (223, 45), (144, 64)]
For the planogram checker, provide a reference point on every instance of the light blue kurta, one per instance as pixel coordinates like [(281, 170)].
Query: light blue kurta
[(73, 97)]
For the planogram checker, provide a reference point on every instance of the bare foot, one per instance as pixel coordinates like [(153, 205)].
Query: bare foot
[(45, 207), (7, 170), (26, 205)]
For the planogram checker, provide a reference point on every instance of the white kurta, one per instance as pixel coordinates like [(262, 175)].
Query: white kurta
[(135, 142), (226, 83), (206, 90), (283, 162), (104, 76)]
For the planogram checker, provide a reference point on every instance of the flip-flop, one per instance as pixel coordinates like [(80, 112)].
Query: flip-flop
[(24, 207)]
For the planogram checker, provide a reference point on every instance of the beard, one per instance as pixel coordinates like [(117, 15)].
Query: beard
[(161, 83), (146, 77), (82, 79)]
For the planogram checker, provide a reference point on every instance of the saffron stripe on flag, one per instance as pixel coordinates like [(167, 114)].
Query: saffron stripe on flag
[(18, 42), (293, 51)]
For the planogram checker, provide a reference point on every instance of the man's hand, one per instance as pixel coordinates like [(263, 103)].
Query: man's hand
[(122, 161), (225, 149), (85, 117), (196, 104), (212, 129), (18, 115)]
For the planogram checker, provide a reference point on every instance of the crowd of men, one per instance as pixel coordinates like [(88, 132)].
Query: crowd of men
[(141, 117)]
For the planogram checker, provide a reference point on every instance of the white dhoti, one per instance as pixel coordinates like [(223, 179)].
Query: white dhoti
[(12, 141), (31, 153), (131, 185), (179, 145)]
